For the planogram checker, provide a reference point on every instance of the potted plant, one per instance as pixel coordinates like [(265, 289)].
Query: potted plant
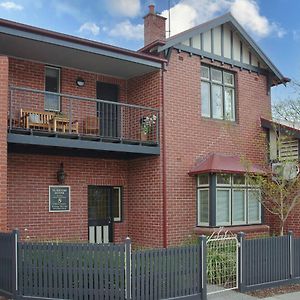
[(147, 124)]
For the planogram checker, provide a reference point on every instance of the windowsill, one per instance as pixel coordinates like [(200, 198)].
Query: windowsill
[(219, 120), (247, 229)]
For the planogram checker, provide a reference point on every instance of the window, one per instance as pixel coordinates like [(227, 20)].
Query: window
[(217, 93), (117, 204), (235, 202), (52, 84)]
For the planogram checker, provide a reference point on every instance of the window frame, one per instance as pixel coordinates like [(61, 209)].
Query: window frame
[(229, 207), (223, 86), (120, 218), (198, 206), (245, 206), (259, 207), (59, 87)]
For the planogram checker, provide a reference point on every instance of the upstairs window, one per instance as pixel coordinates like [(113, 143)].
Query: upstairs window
[(217, 93), (52, 84)]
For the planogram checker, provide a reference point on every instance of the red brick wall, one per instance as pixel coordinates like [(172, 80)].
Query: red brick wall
[(145, 207), (3, 141), (190, 136), (154, 27), (29, 177)]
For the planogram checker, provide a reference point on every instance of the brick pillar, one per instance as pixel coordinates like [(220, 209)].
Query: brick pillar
[(154, 27), (3, 140)]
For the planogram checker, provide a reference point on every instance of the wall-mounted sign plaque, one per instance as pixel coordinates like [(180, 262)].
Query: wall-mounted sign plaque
[(59, 198)]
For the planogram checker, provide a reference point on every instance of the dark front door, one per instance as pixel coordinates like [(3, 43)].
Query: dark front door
[(100, 214), (109, 113)]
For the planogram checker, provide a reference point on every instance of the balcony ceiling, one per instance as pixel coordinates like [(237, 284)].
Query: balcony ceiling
[(50, 48)]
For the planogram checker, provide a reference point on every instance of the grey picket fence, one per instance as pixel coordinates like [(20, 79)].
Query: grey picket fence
[(71, 271), (269, 262), (8, 280), (106, 271), (166, 273)]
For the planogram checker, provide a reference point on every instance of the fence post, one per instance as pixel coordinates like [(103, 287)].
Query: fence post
[(202, 268), (15, 235), (128, 268), (291, 253), (241, 279)]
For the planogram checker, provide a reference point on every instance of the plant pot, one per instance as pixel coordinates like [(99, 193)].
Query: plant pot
[(144, 136)]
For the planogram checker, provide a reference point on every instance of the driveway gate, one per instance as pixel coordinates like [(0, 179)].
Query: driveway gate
[(222, 262)]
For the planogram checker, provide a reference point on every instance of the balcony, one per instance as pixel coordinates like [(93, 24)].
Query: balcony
[(78, 125)]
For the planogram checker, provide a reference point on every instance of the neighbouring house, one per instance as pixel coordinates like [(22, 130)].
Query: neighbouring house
[(99, 142)]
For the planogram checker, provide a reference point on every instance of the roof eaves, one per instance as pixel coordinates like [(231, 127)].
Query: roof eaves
[(76, 40)]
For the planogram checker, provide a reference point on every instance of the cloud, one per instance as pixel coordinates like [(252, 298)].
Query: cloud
[(188, 13), (89, 27), (128, 31), (248, 15), (8, 5), (296, 35), (126, 8)]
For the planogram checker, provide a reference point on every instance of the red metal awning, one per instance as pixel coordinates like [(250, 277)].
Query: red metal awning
[(222, 163)]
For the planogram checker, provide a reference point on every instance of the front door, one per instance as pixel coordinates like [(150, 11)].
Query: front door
[(100, 209), (109, 114)]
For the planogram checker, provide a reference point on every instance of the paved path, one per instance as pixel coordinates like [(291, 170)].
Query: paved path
[(232, 295)]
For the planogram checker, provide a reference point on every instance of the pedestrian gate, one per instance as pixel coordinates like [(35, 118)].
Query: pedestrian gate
[(222, 262)]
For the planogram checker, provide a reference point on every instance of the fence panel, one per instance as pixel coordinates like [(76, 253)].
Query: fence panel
[(265, 261), (166, 273), (8, 263), (72, 271), (296, 256)]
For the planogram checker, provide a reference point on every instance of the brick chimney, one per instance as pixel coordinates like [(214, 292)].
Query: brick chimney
[(154, 27)]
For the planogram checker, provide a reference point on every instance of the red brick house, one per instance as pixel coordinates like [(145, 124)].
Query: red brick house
[(104, 143)]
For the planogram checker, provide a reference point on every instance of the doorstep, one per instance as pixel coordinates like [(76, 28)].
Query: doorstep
[(249, 230)]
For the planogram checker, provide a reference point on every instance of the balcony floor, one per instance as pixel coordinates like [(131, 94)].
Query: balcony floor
[(21, 140)]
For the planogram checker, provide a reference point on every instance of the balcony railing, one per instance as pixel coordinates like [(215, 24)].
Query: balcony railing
[(62, 115)]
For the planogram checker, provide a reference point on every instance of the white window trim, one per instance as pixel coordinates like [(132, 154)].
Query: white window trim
[(118, 219), (59, 79), (202, 185), (259, 208), (224, 184), (198, 206), (229, 204), (245, 206)]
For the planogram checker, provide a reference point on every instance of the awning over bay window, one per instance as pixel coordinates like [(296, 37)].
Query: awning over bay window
[(222, 163)]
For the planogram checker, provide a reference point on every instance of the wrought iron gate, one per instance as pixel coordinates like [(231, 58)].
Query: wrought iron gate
[(222, 262)]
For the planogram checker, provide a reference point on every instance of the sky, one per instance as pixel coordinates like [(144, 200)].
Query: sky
[(273, 24)]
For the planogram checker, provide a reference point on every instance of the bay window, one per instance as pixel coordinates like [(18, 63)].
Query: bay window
[(227, 200), (217, 93)]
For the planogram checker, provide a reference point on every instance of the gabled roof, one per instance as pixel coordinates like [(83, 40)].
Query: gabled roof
[(227, 18)]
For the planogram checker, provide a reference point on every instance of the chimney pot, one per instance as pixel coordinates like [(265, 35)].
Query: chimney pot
[(151, 9)]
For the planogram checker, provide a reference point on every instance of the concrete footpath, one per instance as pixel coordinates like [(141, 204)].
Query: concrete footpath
[(232, 295)]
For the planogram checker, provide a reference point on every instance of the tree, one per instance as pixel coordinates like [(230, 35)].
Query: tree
[(288, 110), (279, 188)]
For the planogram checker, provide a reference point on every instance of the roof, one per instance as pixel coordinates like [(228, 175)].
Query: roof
[(271, 124), (227, 18), (222, 163), (44, 46)]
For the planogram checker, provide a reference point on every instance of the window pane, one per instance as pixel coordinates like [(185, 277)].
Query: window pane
[(203, 179), (229, 104), (205, 72), (117, 204), (223, 179), (216, 75), (253, 206), (203, 207), (228, 79), (52, 102), (238, 206), (205, 99), (238, 179), (217, 101), (223, 207)]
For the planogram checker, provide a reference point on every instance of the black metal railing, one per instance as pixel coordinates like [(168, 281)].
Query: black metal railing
[(35, 110)]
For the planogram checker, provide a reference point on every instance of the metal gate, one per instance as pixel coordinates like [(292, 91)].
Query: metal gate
[(222, 262)]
